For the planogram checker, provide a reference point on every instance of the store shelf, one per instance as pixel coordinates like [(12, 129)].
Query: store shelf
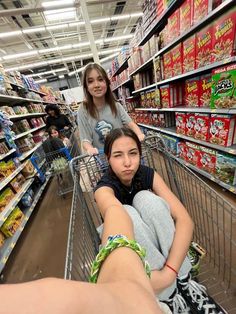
[(36, 91), (17, 85), (144, 88), (7, 154), (123, 66), (11, 176), (122, 84), (10, 243), (9, 208), (208, 175), (28, 153), (172, 131), (16, 99), (142, 67), (28, 115), (30, 131), (191, 109)]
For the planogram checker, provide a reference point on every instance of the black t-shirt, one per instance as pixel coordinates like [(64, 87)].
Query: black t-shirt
[(143, 180), (59, 122)]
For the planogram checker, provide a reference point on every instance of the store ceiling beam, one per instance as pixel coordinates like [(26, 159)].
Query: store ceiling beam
[(89, 31)]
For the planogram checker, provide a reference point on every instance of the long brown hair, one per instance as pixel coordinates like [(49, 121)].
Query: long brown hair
[(109, 97)]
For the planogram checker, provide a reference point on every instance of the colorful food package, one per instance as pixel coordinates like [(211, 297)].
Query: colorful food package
[(191, 95), (204, 47), (143, 99), (146, 51), (153, 43), (182, 150), (2, 239), (190, 124), (189, 54), (137, 78), (166, 101), (177, 59), (5, 197), (167, 65), (200, 10), (180, 120), (12, 223), (185, 13), (155, 98), (174, 25), (171, 143), (207, 160), (157, 69), (224, 87), (148, 99), (193, 153), (205, 84), (222, 129), (201, 127), (226, 168), (223, 40), (17, 182)]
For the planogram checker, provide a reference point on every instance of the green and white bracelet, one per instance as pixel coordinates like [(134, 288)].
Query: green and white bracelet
[(113, 243)]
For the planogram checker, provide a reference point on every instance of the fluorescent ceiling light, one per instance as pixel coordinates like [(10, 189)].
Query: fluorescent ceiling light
[(74, 24), (61, 14), (7, 34), (19, 55), (58, 26), (117, 38), (109, 51), (109, 57), (41, 81), (83, 44), (46, 72), (101, 20), (26, 66), (33, 30), (136, 14), (49, 4), (120, 17), (61, 76)]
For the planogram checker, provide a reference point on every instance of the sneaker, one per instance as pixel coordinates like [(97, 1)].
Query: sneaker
[(177, 304), (197, 298)]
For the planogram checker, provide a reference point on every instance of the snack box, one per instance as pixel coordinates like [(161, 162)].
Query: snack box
[(207, 160), (189, 54), (200, 9), (157, 69), (171, 143), (182, 150), (5, 198), (177, 59), (17, 182), (201, 126), (180, 120), (226, 168), (174, 25), (205, 85), (12, 223), (204, 46), (167, 65), (222, 129), (224, 87), (191, 95), (190, 124), (193, 153), (185, 13), (223, 40)]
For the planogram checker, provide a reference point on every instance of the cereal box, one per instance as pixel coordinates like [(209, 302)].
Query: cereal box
[(165, 96), (226, 168), (185, 13), (157, 69), (143, 99), (200, 10), (189, 54), (204, 47), (167, 63), (155, 98), (224, 36), (224, 87), (173, 25), (137, 78), (205, 84), (180, 120), (190, 124), (201, 127), (182, 150), (222, 128), (177, 59), (192, 153), (207, 160), (191, 94)]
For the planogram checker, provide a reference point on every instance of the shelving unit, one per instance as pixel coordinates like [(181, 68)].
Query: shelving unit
[(11, 176), (28, 153), (190, 109), (29, 131), (11, 151), (29, 115)]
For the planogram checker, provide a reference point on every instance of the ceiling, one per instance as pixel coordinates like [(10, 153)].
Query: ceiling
[(35, 39)]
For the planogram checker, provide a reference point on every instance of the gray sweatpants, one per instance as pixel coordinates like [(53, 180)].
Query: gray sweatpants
[(154, 229)]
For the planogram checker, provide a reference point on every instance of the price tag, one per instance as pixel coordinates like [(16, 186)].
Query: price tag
[(232, 189), (4, 260), (12, 245), (232, 151), (226, 60), (213, 110)]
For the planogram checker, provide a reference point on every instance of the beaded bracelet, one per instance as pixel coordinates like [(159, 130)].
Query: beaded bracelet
[(113, 243)]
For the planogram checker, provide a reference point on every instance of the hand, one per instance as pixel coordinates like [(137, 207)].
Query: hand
[(141, 137), (66, 128), (92, 151), (161, 279)]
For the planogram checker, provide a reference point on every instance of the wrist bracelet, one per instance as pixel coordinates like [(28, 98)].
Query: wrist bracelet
[(113, 243), (171, 269)]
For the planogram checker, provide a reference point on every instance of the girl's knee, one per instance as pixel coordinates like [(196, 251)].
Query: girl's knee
[(147, 200)]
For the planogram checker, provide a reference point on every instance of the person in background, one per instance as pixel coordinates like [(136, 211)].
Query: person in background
[(100, 113), (54, 133), (53, 142), (161, 223), (56, 118)]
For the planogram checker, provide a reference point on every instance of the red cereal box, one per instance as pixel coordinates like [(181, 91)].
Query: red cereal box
[(201, 127), (180, 120), (192, 153), (137, 78), (143, 99), (182, 150), (173, 26), (204, 47), (177, 60), (205, 84), (166, 100), (224, 36), (167, 63), (155, 119), (200, 10), (222, 128), (185, 14), (191, 94), (190, 124), (189, 54), (207, 160)]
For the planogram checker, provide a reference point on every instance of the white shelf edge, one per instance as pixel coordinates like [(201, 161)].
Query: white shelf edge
[(9, 97), (191, 109), (125, 82), (26, 154), (27, 115), (7, 154), (142, 66), (9, 208), (144, 88), (29, 131), (10, 243), (230, 149), (11, 176)]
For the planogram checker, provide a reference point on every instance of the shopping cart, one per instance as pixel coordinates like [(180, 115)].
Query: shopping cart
[(213, 217), (56, 164)]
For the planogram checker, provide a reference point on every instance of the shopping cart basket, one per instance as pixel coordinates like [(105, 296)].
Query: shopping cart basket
[(213, 216)]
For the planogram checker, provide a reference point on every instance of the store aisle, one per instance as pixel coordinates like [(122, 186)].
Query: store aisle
[(41, 250)]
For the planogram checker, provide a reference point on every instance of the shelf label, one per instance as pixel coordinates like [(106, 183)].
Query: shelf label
[(232, 151), (4, 260), (12, 245), (232, 189)]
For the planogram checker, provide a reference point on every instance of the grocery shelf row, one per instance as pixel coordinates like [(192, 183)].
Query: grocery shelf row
[(29, 152), (122, 84), (11, 176), (11, 151), (19, 116), (18, 99), (29, 131), (172, 131), (10, 243), (191, 109)]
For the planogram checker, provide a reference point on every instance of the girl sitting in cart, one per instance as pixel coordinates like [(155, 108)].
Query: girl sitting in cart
[(161, 223)]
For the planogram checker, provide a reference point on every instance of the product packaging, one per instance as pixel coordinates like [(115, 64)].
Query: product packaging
[(174, 25), (222, 129), (226, 168), (177, 60), (205, 85), (189, 54), (204, 47), (207, 160), (185, 12), (193, 153), (12, 223), (180, 119), (190, 124), (201, 127), (167, 65), (191, 94)]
